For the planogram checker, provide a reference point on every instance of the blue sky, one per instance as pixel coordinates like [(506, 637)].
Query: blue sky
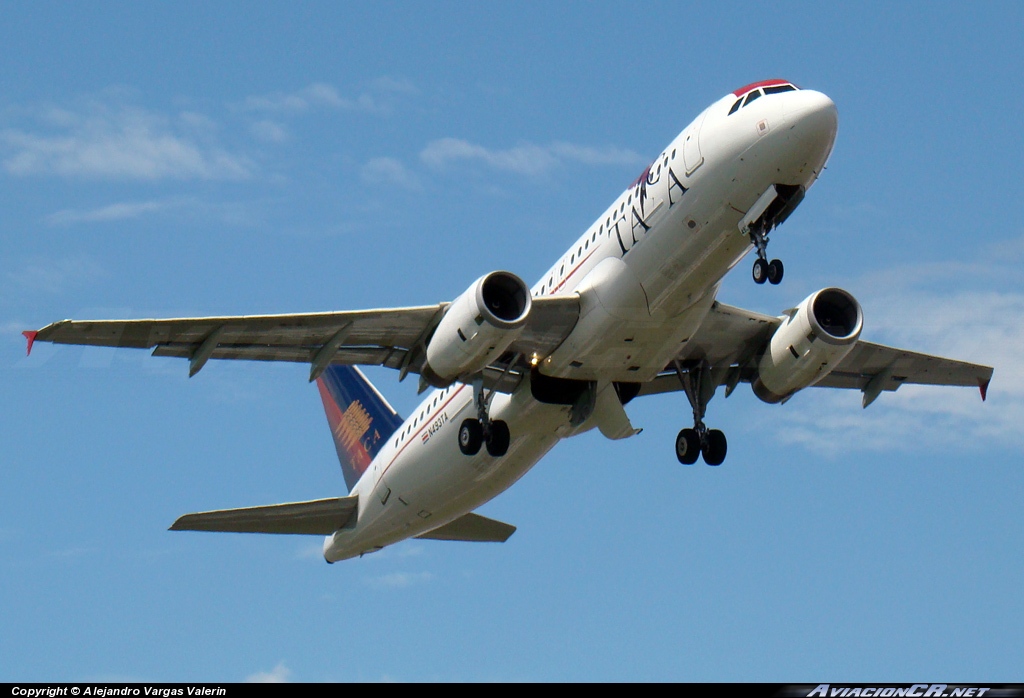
[(191, 159)]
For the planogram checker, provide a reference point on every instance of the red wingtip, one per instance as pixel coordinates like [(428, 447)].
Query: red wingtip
[(983, 386), (30, 335)]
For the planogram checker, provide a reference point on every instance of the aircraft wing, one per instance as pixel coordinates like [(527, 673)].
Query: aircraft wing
[(317, 517), (472, 528), (731, 338), (392, 337)]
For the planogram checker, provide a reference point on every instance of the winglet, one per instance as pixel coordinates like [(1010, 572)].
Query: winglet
[(982, 385), (30, 335)]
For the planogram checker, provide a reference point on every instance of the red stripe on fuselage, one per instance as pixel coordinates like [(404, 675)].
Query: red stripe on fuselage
[(574, 270), (426, 421)]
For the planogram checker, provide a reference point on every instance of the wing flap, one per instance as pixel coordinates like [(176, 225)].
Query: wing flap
[(316, 517), (360, 356), (472, 528)]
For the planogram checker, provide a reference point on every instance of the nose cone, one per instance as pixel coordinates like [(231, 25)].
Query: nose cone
[(813, 118)]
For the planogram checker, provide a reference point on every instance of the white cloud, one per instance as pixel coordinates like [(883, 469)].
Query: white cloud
[(13, 328), (279, 674), (389, 172), (396, 85), (314, 550), (269, 131), (398, 580), (409, 550), (906, 308), (119, 142), (316, 95), (589, 155), (54, 276), (527, 158), (105, 214)]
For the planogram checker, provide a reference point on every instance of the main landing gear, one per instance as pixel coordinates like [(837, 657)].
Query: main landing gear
[(483, 430), (699, 387), (763, 269)]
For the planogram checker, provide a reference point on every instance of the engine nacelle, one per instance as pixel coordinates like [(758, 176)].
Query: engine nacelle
[(818, 334), (477, 328)]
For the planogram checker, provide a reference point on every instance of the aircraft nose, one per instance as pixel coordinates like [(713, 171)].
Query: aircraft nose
[(813, 117)]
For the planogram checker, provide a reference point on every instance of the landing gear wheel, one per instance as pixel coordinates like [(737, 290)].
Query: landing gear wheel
[(760, 271), (687, 446), (714, 447), (471, 436), (775, 271), (498, 439)]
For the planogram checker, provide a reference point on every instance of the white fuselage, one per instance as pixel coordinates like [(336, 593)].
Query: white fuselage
[(647, 271)]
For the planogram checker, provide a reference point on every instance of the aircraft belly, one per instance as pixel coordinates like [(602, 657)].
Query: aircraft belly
[(675, 268), (432, 482)]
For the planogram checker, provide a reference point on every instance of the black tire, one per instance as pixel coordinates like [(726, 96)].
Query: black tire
[(760, 271), (498, 440), (687, 446), (775, 271), (714, 447), (471, 436)]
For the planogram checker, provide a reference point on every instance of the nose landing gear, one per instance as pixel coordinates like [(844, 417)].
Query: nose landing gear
[(763, 269), (699, 387)]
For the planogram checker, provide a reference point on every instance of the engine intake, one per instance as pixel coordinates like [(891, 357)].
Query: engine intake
[(477, 328), (817, 335)]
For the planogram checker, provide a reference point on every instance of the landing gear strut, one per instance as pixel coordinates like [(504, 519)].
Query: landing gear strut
[(483, 430), (699, 387), (763, 269)]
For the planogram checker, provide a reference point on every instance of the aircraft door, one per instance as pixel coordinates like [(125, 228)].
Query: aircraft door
[(692, 157)]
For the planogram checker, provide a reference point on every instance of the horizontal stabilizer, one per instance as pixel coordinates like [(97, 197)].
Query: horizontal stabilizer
[(317, 517), (472, 528)]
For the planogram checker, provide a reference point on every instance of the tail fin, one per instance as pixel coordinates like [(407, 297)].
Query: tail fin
[(361, 420)]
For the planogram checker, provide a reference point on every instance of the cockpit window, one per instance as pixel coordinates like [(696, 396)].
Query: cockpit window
[(751, 92)]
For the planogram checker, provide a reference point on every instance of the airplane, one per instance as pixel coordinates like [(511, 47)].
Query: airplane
[(629, 310)]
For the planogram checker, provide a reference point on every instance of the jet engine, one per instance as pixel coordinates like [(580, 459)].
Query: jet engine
[(477, 328), (813, 339)]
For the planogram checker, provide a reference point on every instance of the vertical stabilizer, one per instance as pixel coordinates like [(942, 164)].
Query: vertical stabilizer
[(361, 420)]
